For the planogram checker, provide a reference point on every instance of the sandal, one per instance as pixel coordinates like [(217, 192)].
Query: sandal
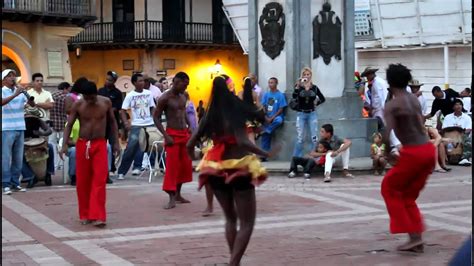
[(440, 170), (447, 169)]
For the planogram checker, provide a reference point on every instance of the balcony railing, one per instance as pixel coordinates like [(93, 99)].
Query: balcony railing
[(50, 7), (154, 32)]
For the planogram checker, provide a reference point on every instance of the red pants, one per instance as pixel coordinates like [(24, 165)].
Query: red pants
[(402, 185), (179, 168), (91, 175)]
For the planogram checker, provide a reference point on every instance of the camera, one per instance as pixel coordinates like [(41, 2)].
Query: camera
[(304, 80)]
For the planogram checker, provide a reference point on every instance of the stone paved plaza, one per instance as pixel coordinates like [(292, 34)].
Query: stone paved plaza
[(299, 223)]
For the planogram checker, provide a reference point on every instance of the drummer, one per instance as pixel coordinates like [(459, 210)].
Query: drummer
[(36, 128), (463, 121)]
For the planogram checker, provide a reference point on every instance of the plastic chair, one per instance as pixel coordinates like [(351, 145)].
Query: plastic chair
[(156, 147), (65, 167)]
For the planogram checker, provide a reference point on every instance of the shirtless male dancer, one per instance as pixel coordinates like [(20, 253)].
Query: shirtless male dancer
[(179, 167), (403, 183), (93, 112)]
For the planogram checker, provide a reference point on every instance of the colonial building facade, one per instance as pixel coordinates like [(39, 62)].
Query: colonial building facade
[(35, 36), (160, 38)]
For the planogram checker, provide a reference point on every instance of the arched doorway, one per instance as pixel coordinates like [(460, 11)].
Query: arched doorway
[(12, 60)]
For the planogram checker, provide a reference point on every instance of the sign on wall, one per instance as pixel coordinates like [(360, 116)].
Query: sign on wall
[(55, 64), (272, 27)]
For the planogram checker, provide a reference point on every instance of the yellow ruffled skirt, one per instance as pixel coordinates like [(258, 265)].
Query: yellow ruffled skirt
[(247, 166)]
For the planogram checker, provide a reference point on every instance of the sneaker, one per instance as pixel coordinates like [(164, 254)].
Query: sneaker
[(465, 162), (136, 171), (7, 191), (291, 174), (327, 179), (307, 176), (121, 177), (18, 189)]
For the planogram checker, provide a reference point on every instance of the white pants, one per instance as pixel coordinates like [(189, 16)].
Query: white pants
[(54, 140), (344, 156)]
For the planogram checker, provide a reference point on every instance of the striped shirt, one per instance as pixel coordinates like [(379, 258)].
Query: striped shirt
[(13, 113)]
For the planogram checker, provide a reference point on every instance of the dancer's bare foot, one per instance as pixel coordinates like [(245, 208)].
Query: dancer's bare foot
[(207, 212), (85, 222), (415, 240), (170, 205), (180, 199), (99, 224)]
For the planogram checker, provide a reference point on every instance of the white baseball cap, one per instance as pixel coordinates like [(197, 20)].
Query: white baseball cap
[(6, 72)]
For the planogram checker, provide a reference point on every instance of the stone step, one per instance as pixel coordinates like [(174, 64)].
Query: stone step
[(360, 165)]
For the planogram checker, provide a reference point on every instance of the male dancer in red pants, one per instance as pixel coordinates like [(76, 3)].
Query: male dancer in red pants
[(93, 112), (179, 167), (403, 183)]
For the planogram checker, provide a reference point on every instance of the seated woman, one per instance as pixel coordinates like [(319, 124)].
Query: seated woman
[(439, 143), (230, 166)]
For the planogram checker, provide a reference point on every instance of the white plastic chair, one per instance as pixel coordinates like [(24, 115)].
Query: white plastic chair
[(156, 147), (65, 167)]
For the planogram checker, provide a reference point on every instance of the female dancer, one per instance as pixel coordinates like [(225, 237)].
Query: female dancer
[(230, 166), (249, 96)]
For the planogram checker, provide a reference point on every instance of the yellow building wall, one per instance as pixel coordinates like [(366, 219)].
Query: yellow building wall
[(198, 64)]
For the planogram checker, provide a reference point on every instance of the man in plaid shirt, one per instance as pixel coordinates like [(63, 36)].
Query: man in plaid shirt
[(58, 116)]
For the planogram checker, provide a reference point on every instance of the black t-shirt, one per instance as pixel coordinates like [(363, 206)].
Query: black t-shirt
[(115, 96), (306, 98), (445, 105)]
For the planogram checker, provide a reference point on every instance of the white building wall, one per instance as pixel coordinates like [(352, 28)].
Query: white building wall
[(427, 65), (415, 22)]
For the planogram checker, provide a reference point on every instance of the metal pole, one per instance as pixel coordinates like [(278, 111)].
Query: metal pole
[(446, 66), (101, 20), (146, 21), (349, 50), (418, 21), (379, 20)]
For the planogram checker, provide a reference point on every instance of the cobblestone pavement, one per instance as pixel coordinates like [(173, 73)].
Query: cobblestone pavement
[(299, 223)]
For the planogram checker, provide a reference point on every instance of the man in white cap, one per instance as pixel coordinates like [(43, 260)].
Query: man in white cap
[(13, 128), (415, 87), (378, 94)]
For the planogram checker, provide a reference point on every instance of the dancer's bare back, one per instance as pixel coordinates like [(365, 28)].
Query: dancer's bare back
[(403, 115)]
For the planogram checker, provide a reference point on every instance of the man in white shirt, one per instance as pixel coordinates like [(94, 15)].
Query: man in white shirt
[(141, 104), (415, 87), (462, 120), (43, 98), (378, 90), (466, 99), (155, 91), (256, 88)]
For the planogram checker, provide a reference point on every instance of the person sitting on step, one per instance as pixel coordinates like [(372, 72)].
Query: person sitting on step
[(314, 159)]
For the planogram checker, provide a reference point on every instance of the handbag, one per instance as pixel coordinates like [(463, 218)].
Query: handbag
[(293, 104)]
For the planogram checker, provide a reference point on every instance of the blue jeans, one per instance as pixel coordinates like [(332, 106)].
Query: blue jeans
[(308, 121), (12, 157), (28, 174), (132, 152), (268, 132)]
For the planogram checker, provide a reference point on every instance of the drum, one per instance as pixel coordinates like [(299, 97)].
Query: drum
[(454, 148), (147, 136), (36, 155)]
